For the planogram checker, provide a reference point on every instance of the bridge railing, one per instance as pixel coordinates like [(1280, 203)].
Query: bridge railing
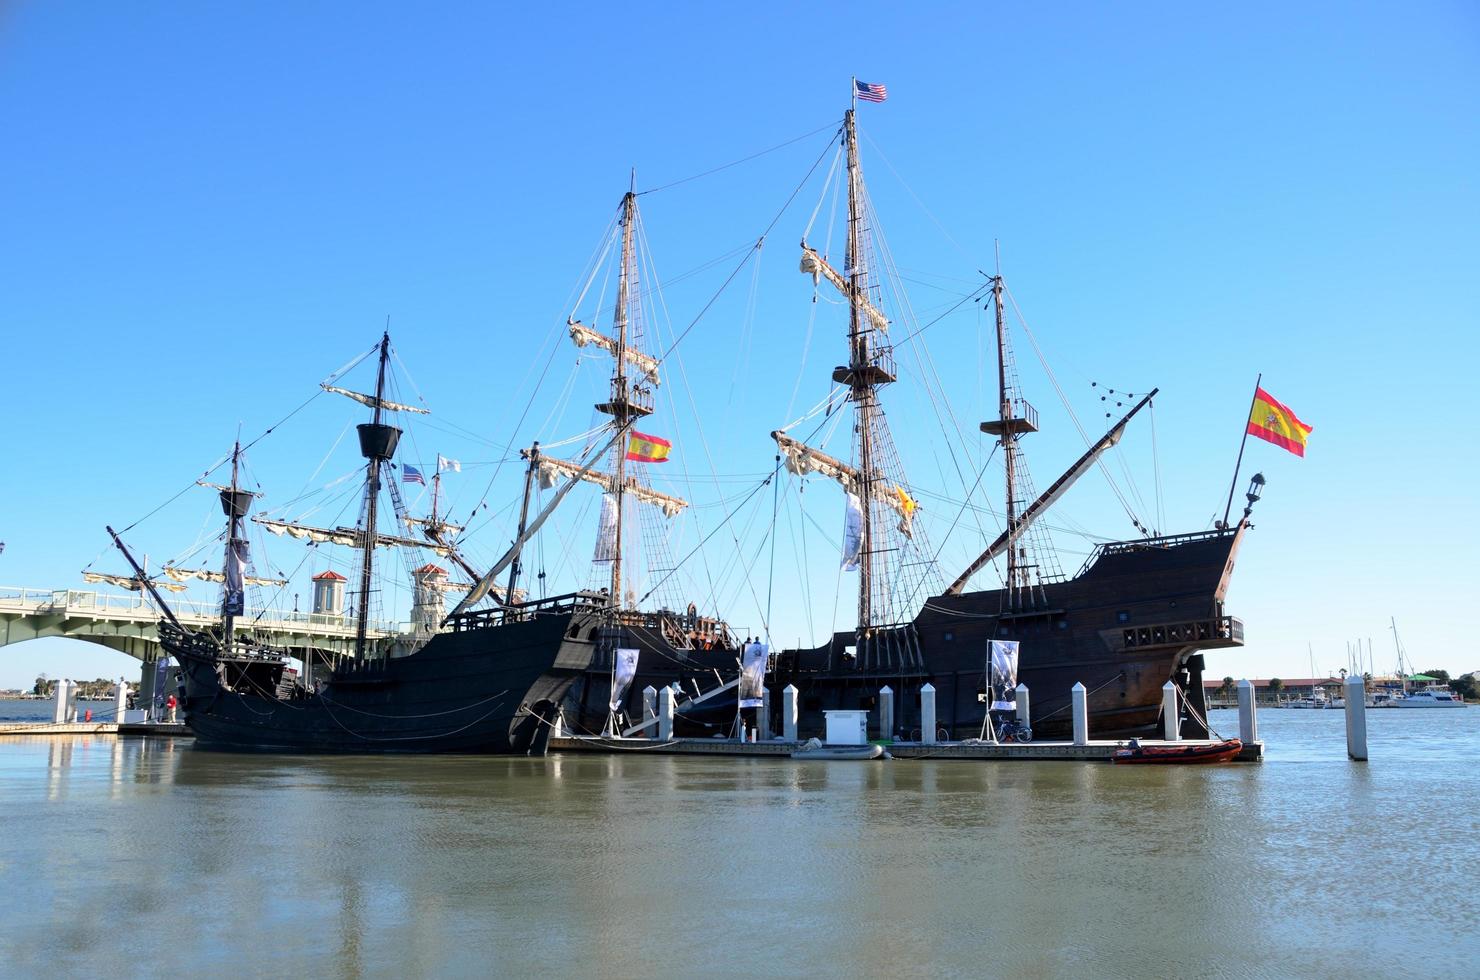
[(137, 606)]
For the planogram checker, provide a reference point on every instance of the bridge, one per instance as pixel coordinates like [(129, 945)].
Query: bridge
[(128, 624)]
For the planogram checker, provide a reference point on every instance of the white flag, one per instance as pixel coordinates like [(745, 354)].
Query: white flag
[(626, 670), (852, 533), (753, 675), (443, 463), (606, 532), (1003, 674)]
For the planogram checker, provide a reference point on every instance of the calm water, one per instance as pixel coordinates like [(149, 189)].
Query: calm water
[(148, 856)]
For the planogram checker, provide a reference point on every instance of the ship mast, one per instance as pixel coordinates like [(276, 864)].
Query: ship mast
[(621, 406), (234, 503), (516, 565), (859, 379), (377, 444), (1007, 427)]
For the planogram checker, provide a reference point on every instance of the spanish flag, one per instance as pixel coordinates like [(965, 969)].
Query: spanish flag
[(647, 449), (1275, 423)]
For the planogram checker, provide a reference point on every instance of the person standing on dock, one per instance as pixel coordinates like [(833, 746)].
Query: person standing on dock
[(170, 707)]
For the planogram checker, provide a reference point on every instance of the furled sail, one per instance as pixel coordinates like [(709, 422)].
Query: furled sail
[(371, 401), (348, 536), (438, 525), (802, 460), (552, 470), (583, 335), (816, 266), (186, 574), (131, 582)]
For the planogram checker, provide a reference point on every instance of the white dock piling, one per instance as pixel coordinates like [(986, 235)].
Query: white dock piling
[(665, 714), (789, 713), (59, 701), (120, 700), (763, 717), (1171, 715), (1024, 716), (886, 712), (1078, 697), (927, 714), (649, 708), (1248, 721), (1355, 692)]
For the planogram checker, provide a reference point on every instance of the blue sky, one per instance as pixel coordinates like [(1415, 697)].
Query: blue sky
[(209, 208)]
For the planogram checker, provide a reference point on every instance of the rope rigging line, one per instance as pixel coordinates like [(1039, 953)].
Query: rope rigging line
[(779, 146)]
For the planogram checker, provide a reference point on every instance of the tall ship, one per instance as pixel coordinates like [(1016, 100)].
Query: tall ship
[(653, 634), (484, 681), (1139, 613)]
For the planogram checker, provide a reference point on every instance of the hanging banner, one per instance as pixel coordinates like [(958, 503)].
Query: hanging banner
[(753, 675), (1003, 657), (161, 685), (626, 669), (234, 600), (852, 533), (606, 532)]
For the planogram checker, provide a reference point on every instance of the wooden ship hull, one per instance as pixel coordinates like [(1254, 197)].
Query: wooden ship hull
[(1138, 615), (484, 686)]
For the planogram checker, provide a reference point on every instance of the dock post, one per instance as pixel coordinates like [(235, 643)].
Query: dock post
[(886, 712), (789, 713), (1248, 722), (649, 709), (120, 701), (1171, 716), (1024, 715), (665, 714), (763, 717), (927, 714), (59, 701), (1079, 698), (1355, 691)]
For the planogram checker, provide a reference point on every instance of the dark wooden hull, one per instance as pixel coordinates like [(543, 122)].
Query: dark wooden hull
[(489, 689), (1137, 616)]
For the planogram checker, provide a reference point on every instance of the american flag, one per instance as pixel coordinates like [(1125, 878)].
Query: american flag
[(870, 93), (410, 474)]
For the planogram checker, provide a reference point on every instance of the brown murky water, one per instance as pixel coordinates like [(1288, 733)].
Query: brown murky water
[(151, 857)]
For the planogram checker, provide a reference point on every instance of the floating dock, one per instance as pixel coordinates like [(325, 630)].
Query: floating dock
[(126, 730), (1092, 751)]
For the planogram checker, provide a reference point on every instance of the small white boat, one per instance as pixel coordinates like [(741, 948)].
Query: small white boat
[(814, 749)]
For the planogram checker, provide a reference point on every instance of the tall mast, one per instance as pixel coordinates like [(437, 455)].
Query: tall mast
[(859, 379), (1004, 414), (621, 406), (1008, 426), (234, 502), (377, 444), (516, 565)]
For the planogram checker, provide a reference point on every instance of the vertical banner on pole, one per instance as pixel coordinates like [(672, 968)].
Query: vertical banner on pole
[(753, 674), (624, 671), (1002, 674)]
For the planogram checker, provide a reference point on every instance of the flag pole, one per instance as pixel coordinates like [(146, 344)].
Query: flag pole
[(853, 92), (1244, 442)]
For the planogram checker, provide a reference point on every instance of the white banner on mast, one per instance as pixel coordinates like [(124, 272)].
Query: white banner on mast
[(626, 669), (606, 532), (753, 675), (852, 533), (1002, 674)]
